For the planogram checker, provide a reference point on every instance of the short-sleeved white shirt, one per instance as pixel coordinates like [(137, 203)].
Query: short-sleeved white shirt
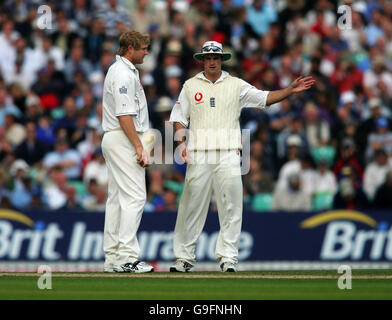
[(250, 97), (123, 94)]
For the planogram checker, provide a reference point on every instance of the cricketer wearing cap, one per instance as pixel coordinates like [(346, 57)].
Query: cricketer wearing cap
[(209, 105), (125, 122)]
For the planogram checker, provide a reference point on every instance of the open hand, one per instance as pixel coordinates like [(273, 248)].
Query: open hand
[(302, 83)]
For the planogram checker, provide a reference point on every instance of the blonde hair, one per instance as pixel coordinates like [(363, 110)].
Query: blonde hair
[(132, 38)]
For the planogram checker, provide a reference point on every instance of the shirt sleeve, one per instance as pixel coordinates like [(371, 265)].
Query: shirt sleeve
[(180, 111), (251, 97), (125, 98)]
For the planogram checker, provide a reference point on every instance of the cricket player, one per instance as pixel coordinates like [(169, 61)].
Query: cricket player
[(125, 120), (210, 105)]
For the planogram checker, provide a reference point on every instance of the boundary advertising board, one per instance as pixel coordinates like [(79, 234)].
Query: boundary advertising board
[(338, 235)]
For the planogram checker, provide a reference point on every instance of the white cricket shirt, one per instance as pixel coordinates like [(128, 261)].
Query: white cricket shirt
[(123, 94), (212, 111), (250, 97)]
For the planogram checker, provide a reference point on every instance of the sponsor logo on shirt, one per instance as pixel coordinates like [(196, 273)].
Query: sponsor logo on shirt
[(199, 97)]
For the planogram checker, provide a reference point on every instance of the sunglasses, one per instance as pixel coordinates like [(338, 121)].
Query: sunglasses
[(212, 48)]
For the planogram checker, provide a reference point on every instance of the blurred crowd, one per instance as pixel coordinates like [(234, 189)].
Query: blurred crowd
[(329, 147)]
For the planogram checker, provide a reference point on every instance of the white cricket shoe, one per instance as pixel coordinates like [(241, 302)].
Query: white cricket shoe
[(228, 267), (134, 267), (108, 269), (182, 266)]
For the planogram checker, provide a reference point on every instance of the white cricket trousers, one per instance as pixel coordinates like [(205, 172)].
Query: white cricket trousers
[(224, 177), (125, 201)]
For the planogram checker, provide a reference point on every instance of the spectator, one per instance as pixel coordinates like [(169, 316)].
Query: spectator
[(22, 71), (50, 87), (349, 197), (15, 132), (80, 14), (81, 129), (64, 36), (324, 8), (347, 157), (373, 76), (143, 16), (169, 200), (71, 201), (31, 150), (33, 109), (376, 172), (292, 197), (260, 15), (6, 107), (8, 36), (90, 145), (45, 131), (369, 125), (67, 159), (346, 76), (47, 51), (325, 180), (346, 129), (355, 36), (348, 103), (8, 158), (303, 166), (294, 129), (240, 28), (292, 165), (258, 180), (5, 193), (112, 12), (155, 189), (94, 43), (76, 62), (316, 129), (263, 149), (162, 112), (383, 196), (308, 174), (381, 138), (55, 188), (68, 121), (374, 30), (21, 194), (96, 169), (321, 26), (254, 65), (97, 76), (96, 200)]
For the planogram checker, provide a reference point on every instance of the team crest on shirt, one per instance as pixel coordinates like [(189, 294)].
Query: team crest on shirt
[(123, 90), (199, 97)]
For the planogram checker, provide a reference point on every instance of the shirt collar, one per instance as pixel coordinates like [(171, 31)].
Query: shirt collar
[(126, 61), (201, 76)]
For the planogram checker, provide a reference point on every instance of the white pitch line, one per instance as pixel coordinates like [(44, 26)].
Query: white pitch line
[(187, 276)]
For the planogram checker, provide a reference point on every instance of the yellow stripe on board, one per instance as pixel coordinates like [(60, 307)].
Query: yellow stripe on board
[(16, 216), (325, 217)]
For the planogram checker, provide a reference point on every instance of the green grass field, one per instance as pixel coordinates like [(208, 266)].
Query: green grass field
[(262, 285)]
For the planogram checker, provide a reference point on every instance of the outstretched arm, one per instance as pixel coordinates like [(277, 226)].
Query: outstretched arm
[(298, 85)]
